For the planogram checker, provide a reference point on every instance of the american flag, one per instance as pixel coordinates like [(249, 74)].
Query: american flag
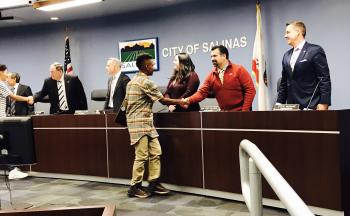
[(68, 68)]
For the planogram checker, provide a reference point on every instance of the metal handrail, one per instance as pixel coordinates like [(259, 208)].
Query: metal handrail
[(253, 163)]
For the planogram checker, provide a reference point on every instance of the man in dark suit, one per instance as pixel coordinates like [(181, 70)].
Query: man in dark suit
[(20, 108), (305, 74), (66, 93), (116, 85)]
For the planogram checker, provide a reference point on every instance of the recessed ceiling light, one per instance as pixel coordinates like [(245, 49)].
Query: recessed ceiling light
[(61, 4), (54, 18)]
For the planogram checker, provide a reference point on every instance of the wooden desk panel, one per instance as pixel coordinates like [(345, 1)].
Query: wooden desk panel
[(182, 157), (309, 163), (63, 145), (181, 146), (81, 152), (286, 120), (49, 121), (177, 120), (344, 126), (120, 153)]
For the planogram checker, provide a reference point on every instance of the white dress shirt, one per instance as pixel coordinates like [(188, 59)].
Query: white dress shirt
[(113, 84), (296, 53), (15, 88)]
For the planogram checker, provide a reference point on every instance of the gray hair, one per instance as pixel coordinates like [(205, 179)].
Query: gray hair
[(16, 76), (115, 61), (58, 66)]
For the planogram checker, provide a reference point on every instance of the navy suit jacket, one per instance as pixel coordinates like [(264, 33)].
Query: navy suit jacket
[(119, 92), (75, 94), (310, 76), (22, 108)]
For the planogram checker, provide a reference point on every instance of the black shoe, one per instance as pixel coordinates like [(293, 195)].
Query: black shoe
[(138, 191), (157, 188)]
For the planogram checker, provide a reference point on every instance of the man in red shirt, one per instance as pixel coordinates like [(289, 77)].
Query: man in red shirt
[(230, 83)]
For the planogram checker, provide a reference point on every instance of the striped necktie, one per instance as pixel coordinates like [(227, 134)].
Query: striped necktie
[(61, 96)]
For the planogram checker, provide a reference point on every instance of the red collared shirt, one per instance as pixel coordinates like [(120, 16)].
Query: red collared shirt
[(235, 94)]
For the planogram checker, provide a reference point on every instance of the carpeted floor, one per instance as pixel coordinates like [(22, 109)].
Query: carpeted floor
[(52, 193)]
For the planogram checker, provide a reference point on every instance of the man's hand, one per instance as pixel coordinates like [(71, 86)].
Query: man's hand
[(30, 100), (184, 103), (322, 107)]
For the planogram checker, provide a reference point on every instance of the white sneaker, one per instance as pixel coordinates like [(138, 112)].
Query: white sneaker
[(17, 174)]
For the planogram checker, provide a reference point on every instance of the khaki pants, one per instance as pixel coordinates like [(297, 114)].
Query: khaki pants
[(146, 149)]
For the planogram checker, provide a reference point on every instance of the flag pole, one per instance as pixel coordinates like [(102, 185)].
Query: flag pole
[(66, 30), (68, 68)]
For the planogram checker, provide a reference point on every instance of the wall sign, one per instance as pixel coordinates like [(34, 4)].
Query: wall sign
[(129, 50)]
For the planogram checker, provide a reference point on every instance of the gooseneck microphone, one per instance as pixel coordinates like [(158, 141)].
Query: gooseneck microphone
[(313, 94), (278, 91)]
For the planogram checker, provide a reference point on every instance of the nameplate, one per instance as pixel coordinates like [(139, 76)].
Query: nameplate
[(38, 113), (210, 109), (286, 107), (81, 112)]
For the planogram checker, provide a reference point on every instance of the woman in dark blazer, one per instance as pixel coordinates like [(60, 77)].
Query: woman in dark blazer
[(183, 83)]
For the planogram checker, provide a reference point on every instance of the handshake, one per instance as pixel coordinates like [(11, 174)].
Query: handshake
[(183, 102), (30, 100)]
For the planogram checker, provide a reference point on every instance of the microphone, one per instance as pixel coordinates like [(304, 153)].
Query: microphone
[(313, 94), (278, 91), (275, 101)]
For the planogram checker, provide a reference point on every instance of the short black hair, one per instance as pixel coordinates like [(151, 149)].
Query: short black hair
[(140, 60), (3, 67), (222, 49)]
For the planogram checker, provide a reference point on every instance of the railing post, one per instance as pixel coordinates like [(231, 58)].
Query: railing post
[(252, 191), (255, 189)]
